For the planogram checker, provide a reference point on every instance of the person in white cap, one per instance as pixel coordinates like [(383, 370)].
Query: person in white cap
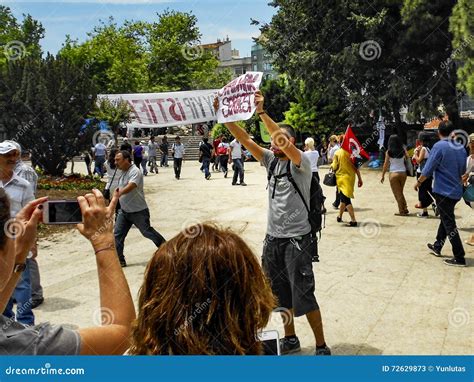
[(29, 174), (20, 193)]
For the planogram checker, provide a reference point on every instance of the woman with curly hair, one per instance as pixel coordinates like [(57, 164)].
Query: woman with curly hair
[(204, 292)]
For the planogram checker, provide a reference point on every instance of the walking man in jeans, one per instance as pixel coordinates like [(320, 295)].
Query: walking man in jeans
[(205, 153), (235, 157), (152, 147), (133, 207), (288, 248), (447, 162)]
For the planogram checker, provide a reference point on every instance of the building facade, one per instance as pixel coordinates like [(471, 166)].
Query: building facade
[(261, 62)]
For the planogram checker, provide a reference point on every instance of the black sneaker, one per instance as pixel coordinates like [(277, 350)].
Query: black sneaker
[(243, 184), (323, 351), (225, 174), (433, 250), (123, 263), (455, 263), (289, 346), (37, 302), (435, 209), (234, 183)]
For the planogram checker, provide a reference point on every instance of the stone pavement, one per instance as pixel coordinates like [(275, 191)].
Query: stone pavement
[(379, 290)]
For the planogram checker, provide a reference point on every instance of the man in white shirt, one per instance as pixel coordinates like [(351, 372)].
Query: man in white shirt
[(235, 157), (178, 151), (29, 174), (20, 193), (133, 207)]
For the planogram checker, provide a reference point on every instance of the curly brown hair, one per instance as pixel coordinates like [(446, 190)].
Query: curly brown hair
[(204, 293)]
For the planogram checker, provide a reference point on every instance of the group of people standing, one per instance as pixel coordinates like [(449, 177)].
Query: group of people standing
[(221, 154)]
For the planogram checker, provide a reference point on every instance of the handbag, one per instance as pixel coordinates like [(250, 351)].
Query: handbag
[(468, 195), (409, 166), (106, 192), (330, 179)]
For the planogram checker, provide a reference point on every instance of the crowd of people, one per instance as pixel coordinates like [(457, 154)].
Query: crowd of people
[(207, 294)]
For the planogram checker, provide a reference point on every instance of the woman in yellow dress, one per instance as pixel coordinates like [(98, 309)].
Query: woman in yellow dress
[(345, 178)]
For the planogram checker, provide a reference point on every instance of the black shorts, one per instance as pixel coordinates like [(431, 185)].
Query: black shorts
[(344, 199), (288, 265)]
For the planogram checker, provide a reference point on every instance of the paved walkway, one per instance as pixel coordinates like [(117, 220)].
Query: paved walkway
[(379, 290)]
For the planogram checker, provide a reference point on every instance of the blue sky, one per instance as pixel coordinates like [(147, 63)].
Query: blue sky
[(216, 18)]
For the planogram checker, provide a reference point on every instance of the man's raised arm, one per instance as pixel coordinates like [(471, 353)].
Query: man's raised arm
[(243, 137), (279, 138)]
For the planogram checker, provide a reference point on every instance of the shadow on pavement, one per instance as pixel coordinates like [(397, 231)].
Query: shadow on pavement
[(53, 304)]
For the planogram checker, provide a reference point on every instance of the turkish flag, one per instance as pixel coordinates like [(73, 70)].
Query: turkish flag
[(352, 145)]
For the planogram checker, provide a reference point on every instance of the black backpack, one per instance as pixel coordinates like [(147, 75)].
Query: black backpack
[(316, 209)]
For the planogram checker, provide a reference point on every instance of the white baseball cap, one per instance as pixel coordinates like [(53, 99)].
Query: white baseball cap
[(6, 147)]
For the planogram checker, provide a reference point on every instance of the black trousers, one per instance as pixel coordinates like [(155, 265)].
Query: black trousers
[(447, 227), (177, 162)]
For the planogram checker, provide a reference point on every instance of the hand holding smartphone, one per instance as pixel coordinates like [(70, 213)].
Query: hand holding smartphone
[(62, 212)]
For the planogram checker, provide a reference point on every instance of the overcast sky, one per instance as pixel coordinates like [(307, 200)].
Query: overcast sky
[(216, 18)]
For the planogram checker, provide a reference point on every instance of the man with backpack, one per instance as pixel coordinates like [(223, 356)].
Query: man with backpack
[(293, 219)]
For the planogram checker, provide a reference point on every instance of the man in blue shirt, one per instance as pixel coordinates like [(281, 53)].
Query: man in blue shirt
[(447, 162)]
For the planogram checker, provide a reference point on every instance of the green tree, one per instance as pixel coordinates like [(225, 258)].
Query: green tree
[(114, 112), (18, 40), (353, 58), (147, 57), (462, 28), (113, 57), (278, 95), (46, 103)]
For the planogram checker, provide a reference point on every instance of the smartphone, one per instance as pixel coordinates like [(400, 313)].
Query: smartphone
[(61, 212), (271, 342)]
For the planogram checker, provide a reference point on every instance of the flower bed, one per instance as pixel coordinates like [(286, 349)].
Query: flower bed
[(65, 188), (71, 182)]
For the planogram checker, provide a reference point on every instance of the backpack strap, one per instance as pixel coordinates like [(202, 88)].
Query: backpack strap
[(271, 173), (292, 181)]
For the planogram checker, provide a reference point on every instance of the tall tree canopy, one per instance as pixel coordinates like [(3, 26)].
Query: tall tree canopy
[(18, 40), (353, 57), (462, 28), (147, 57)]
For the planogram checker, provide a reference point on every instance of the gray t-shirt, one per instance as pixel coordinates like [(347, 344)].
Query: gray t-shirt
[(42, 339), (287, 214), (134, 201), (152, 146)]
